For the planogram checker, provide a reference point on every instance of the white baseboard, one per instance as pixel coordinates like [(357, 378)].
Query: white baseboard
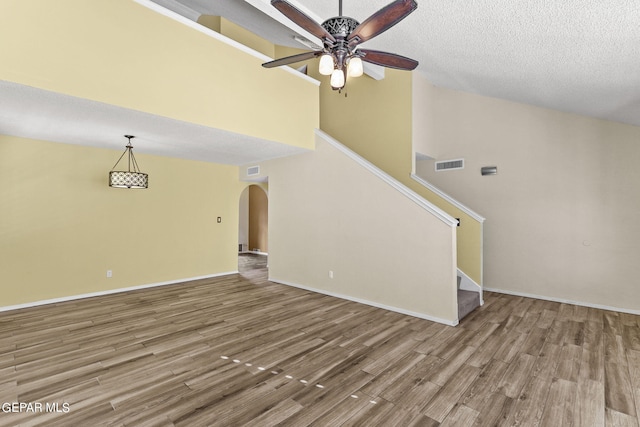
[(109, 292), (367, 302), (564, 301)]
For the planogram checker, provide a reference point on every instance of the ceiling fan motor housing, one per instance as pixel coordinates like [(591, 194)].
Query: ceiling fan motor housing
[(340, 26)]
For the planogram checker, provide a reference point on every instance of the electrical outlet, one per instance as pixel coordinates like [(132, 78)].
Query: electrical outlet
[(109, 273), (330, 274)]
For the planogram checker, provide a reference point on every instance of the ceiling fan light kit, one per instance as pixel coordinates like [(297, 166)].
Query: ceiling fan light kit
[(341, 37)]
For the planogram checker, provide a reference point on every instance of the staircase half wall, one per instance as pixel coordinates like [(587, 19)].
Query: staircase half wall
[(340, 226)]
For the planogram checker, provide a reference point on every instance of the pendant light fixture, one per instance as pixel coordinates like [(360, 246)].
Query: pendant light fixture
[(132, 177)]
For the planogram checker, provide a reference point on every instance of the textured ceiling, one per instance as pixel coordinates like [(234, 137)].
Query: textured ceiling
[(575, 56)]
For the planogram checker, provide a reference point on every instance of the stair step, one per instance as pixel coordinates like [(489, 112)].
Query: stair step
[(467, 302)]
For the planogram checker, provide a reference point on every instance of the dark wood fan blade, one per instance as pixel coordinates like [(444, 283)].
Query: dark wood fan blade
[(301, 19), (292, 59), (381, 21), (385, 59)]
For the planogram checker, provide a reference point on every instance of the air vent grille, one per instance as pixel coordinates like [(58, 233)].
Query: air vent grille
[(253, 170), (449, 165)]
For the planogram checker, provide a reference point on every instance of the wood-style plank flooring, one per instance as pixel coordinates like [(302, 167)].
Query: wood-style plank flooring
[(239, 350)]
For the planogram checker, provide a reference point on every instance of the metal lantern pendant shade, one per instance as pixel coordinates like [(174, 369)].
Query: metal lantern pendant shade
[(128, 179), (132, 177)]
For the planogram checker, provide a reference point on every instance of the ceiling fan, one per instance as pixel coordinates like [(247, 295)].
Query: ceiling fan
[(341, 37)]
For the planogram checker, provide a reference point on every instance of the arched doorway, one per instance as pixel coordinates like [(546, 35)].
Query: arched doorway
[(253, 235)]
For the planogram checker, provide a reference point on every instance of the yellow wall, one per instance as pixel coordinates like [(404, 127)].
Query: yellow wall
[(258, 219), (121, 53), (62, 227), (245, 37), (210, 21), (237, 33), (374, 119)]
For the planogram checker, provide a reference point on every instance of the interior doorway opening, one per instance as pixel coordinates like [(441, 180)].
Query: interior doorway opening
[(253, 232)]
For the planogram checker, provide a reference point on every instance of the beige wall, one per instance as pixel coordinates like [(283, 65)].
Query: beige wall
[(376, 120), (327, 213), (422, 104), (119, 52), (471, 231), (62, 227), (258, 219), (562, 213)]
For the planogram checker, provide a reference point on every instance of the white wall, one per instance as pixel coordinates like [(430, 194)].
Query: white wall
[(422, 114), (562, 213), (329, 213)]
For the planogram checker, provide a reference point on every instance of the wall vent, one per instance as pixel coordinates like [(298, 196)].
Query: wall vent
[(447, 165), (253, 170)]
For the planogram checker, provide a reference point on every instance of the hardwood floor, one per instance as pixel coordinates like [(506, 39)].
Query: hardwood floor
[(239, 350)]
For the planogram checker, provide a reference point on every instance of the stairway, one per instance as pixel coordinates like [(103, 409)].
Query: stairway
[(467, 301)]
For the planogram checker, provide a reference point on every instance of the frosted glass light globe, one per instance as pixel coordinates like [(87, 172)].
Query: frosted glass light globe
[(326, 65), (337, 79), (355, 67)]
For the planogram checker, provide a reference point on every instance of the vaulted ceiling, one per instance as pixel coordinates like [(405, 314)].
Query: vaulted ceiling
[(575, 56), (578, 56)]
